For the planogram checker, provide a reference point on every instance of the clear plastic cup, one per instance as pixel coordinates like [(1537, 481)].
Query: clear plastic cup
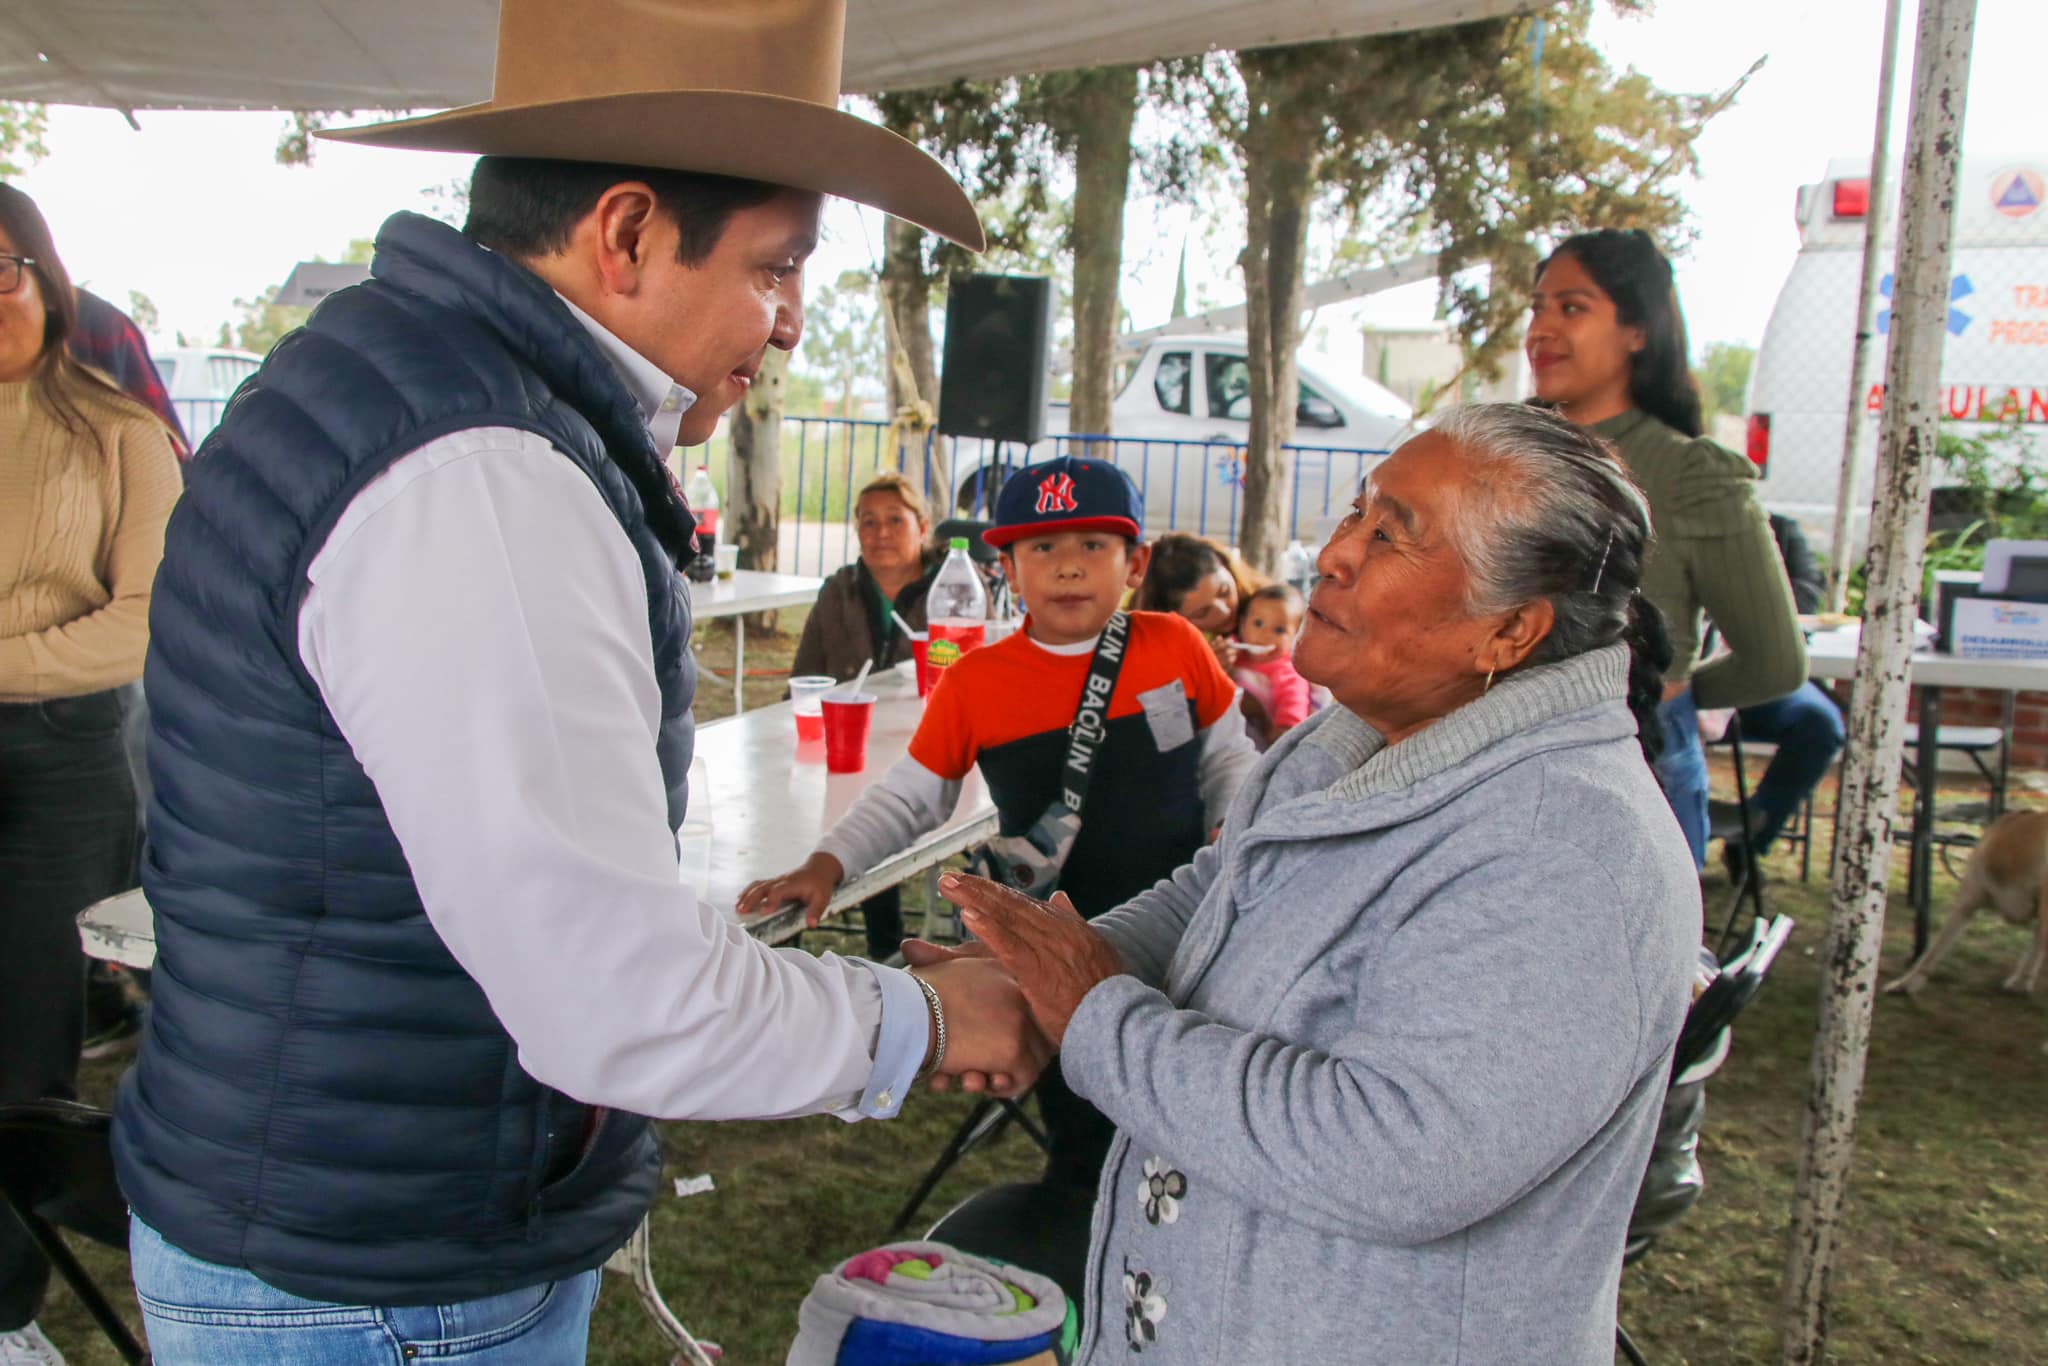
[(847, 717), (804, 692), (725, 559)]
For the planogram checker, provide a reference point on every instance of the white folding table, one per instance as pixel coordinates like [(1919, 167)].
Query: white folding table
[(1831, 654), (748, 590)]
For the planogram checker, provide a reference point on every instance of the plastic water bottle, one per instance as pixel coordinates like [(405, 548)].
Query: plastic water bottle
[(702, 496), (956, 610), (1297, 566)]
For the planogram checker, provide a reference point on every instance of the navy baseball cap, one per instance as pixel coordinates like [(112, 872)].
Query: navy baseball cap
[(1067, 494)]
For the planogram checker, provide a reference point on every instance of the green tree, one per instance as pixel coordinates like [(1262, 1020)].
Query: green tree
[(979, 132), (1456, 139), (842, 343), (262, 321), (295, 139), (1723, 376), (143, 310), (1090, 114), (22, 127)]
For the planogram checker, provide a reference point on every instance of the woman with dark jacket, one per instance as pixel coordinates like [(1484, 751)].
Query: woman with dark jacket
[(851, 623), (854, 621), (1606, 345)]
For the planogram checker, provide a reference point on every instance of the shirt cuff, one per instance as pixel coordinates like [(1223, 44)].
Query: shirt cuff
[(905, 1038)]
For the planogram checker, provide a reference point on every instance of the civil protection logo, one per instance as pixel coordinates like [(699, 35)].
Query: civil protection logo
[(2017, 191)]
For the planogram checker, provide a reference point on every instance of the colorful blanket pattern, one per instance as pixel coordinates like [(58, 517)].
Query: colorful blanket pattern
[(934, 1305)]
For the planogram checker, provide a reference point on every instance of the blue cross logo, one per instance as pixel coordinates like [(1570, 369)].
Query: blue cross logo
[(1959, 289)]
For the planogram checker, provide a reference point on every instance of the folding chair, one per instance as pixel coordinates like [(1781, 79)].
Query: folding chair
[(1038, 1226), (56, 1171), (635, 1261), (1673, 1181), (1732, 821), (985, 1122)]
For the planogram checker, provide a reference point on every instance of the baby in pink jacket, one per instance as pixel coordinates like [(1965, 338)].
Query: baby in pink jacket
[(1266, 626)]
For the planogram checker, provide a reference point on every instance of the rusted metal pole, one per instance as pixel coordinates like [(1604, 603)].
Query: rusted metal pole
[(1866, 314), (1898, 539)]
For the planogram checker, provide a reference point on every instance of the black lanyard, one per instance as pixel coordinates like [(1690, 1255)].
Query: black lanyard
[(1090, 728)]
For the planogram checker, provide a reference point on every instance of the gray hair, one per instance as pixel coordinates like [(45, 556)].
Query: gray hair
[(1551, 514)]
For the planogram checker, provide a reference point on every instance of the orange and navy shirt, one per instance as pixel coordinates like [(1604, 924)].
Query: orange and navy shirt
[(1006, 707)]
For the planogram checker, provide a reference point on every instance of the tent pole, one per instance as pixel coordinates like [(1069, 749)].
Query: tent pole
[(1866, 314), (1898, 540)]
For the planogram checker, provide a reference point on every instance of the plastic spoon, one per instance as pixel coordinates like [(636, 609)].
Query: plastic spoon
[(853, 689), (1256, 649)]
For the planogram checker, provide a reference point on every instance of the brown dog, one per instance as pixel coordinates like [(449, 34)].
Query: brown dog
[(2006, 871)]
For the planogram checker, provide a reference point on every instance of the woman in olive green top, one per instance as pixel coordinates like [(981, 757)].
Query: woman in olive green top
[(1607, 348)]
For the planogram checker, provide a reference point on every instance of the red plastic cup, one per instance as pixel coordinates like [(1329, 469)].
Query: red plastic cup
[(846, 731), (926, 675)]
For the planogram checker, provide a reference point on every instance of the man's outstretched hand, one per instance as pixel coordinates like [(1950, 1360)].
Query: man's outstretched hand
[(1053, 953)]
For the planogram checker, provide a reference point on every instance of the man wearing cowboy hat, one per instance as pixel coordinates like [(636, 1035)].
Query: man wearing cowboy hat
[(420, 680)]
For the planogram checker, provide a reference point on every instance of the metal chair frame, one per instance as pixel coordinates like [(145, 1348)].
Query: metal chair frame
[(27, 1200)]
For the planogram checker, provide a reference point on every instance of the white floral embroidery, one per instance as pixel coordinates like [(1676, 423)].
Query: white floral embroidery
[(1144, 1306), (1160, 1191)]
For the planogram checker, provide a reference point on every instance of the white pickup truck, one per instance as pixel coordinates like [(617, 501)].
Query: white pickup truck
[(1180, 423)]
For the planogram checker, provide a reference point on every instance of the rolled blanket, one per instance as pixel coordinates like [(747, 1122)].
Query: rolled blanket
[(933, 1305)]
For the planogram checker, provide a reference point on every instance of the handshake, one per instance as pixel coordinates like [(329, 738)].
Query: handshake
[(1007, 997)]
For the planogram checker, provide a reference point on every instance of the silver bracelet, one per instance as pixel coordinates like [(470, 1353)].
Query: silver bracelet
[(931, 1000)]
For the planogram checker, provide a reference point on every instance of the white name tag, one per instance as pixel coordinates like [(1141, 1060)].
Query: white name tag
[(1166, 712)]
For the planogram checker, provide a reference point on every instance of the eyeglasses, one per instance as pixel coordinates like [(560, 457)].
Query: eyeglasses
[(11, 268)]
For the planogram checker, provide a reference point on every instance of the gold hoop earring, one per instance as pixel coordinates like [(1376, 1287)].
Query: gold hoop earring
[(1489, 683)]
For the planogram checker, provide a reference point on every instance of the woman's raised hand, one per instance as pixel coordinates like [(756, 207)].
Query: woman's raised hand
[(1054, 955)]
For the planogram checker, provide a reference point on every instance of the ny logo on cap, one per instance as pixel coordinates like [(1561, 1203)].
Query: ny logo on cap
[(1056, 494)]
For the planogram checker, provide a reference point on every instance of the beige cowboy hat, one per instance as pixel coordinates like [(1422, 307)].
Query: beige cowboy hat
[(745, 88)]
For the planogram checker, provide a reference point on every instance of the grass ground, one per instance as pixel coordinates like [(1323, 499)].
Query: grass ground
[(1946, 1244)]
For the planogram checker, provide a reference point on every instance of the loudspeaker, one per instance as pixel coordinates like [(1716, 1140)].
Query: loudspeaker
[(998, 339)]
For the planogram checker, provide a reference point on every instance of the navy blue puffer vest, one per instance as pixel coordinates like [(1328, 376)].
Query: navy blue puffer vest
[(324, 1096)]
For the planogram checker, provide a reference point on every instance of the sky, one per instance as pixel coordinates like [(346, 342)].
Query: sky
[(193, 211)]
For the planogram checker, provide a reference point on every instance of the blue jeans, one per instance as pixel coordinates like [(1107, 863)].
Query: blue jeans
[(1682, 771), (1806, 726), (201, 1314)]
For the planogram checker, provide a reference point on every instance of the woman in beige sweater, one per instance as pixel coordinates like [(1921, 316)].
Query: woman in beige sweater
[(1607, 349), (87, 478)]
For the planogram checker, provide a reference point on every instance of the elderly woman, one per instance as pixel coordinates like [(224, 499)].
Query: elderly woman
[(1386, 1060), (854, 621)]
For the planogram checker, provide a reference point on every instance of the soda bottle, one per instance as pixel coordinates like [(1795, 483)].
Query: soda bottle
[(703, 499), (956, 610)]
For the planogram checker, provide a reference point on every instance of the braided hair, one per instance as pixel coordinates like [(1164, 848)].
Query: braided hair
[(1557, 517)]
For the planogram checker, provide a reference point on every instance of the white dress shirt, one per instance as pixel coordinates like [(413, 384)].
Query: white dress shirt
[(477, 624)]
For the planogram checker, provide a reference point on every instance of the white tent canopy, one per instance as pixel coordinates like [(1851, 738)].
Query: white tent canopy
[(429, 54)]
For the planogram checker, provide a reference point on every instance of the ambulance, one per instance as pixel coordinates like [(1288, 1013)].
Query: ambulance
[(1994, 365)]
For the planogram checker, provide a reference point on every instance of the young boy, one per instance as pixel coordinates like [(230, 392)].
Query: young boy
[(1266, 628), (1174, 754)]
